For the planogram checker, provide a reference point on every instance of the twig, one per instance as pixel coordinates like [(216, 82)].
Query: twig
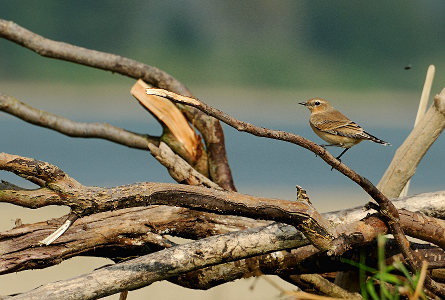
[(387, 209), (419, 286), (324, 286)]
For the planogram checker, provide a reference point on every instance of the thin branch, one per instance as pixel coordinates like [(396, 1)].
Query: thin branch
[(210, 128), (71, 128), (323, 286), (53, 177)]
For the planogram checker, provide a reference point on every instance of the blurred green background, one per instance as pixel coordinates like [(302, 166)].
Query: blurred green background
[(285, 44), (252, 59)]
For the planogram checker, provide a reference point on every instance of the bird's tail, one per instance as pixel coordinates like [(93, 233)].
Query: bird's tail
[(376, 140)]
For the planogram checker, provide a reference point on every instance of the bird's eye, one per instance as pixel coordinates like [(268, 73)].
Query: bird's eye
[(317, 102)]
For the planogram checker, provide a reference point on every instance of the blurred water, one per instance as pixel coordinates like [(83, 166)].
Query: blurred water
[(260, 166)]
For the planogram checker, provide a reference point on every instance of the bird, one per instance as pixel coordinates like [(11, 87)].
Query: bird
[(334, 127)]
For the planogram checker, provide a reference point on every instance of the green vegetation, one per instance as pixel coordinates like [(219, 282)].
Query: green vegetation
[(286, 44), (388, 282)]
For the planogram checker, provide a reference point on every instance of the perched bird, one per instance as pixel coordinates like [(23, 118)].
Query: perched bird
[(335, 128)]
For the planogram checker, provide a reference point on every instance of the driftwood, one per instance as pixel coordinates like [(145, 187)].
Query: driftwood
[(124, 233), (144, 220), (409, 154)]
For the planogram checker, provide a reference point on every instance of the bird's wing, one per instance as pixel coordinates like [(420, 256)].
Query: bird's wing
[(338, 125), (353, 130)]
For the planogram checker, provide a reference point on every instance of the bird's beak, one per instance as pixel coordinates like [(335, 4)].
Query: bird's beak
[(302, 103)]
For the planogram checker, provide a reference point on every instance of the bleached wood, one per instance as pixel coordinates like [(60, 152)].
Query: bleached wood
[(408, 156), (421, 110)]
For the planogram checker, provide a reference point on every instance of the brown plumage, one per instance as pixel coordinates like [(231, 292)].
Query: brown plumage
[(334, 127)]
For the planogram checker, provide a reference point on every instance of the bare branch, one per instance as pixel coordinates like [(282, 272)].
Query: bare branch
[(188, 224), (53, 177), (71, 128), (28, 198), (323, 286), (117, 234)]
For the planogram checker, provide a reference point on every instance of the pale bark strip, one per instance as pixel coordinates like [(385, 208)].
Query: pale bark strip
[(408, 156), (163, 264), (168, 114)]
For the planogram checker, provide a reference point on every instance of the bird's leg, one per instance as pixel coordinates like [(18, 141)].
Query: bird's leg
[(338, 157)]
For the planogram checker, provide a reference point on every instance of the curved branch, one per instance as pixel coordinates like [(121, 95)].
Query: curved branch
[(71, 128), (51, 175), (210, 128)]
